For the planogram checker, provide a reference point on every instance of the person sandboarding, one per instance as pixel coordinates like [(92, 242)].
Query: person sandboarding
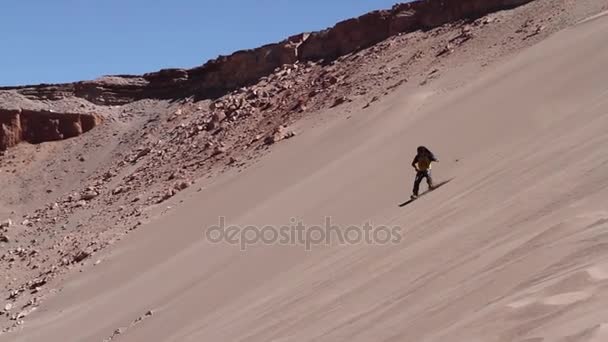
[(422, 164)]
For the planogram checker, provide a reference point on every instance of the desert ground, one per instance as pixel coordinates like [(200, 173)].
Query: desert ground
[(513, 248)]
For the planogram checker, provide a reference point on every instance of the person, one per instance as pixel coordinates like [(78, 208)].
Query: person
[(422, 164)]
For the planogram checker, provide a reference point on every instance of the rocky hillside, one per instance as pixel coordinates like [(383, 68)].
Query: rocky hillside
[(227, 73)]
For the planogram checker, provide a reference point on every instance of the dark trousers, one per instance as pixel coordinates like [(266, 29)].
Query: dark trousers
[(421, 175)]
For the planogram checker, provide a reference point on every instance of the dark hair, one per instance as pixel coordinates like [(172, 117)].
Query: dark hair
[(423, 150)]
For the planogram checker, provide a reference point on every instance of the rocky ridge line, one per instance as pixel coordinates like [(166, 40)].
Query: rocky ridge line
[(226, 73)]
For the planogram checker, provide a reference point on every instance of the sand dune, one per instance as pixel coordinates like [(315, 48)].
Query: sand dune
[(512, 249)]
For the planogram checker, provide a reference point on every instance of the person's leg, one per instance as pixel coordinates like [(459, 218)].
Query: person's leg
[(419, 176), (429, 179)]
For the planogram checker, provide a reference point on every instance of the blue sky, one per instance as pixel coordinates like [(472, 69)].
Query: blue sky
[(51, 41)]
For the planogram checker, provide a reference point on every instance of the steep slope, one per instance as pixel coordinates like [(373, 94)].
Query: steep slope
[(70, 200), (512, 249)]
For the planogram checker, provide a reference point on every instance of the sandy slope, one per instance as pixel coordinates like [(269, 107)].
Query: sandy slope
[(513, 249)]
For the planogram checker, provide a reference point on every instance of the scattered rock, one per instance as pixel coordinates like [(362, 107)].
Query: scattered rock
[(168, 194), (487, 20), (80, 256), (108, 175), (81, 203), (89, 195), (219, 150), (118, 190), (182, 185), (175, 115), (144, 152), (279, 134), (74, 197), (218, 117), (38, 283), (173, 175), (340, 100), (6, 224), (539, 29), (447, 49)]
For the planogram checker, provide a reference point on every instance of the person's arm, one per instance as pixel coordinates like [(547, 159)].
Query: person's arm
[(434, 158), (414, 162)]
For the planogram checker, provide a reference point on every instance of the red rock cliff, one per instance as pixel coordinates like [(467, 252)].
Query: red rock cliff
[(40, 126), (371, 28)]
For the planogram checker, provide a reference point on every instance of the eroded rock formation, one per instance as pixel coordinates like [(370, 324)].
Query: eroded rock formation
[(40, 126)]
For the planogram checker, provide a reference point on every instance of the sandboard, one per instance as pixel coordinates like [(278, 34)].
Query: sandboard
[(426, 192)]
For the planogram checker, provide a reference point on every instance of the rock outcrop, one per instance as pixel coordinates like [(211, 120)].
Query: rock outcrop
[(226, 73), (357, 33), (39, 126)]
